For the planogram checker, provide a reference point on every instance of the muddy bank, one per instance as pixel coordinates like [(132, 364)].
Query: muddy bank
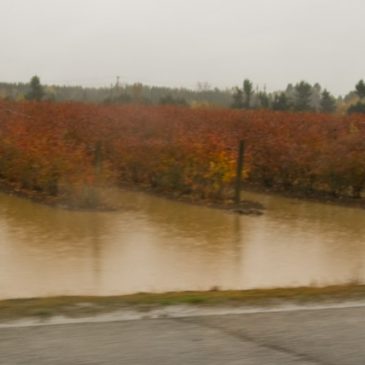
[(247, 207), (102, 201)]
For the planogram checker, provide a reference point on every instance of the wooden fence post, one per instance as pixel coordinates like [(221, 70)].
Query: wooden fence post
[(240, 161)]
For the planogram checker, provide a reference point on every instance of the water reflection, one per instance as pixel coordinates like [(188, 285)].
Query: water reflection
[(153, 244)]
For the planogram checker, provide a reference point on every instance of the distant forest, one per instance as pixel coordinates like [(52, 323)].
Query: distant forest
[(122, 94), (301, 96)]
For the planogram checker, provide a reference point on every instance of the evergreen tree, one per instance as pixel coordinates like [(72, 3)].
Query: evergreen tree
[(170, 100), (356, 108), (360, 89), (303, 92), (281, 102), (315, 100), (248, 91), (359, 107), (327, 102), (36, 91), (237, 99), (264, 100)]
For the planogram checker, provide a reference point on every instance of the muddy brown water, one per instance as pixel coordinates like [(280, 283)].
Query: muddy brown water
[(154, 245)]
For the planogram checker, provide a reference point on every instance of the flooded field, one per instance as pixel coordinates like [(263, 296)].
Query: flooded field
[(154, 245)]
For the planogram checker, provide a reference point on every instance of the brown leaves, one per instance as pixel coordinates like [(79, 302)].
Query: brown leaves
[(47, 146)]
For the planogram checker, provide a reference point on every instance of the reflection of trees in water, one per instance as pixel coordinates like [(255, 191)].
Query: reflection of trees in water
[(51, 250), (214, 236), (207, 232), (101, 250), (96, 253), (337, 232), (326, 240), (238, 242), (38, 221), (207, 225)]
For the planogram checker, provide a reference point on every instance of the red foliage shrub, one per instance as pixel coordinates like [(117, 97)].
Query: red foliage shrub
[(57, 149)]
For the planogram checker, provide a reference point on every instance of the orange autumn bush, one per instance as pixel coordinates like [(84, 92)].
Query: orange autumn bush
[(67, 149)]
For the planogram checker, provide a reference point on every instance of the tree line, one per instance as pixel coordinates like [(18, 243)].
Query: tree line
[(301, 97), (136, 93)]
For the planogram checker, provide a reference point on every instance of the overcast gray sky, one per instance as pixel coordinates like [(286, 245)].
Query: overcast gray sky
[(182, 42)]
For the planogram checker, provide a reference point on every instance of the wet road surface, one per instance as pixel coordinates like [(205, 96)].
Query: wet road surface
[(333, 336)]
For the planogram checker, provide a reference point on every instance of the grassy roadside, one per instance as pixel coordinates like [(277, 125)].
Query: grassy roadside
[(82, 306)]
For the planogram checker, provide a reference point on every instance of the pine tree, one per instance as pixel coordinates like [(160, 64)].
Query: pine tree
[(281, 102), (303, 93), (237, 99), (327, 102), (360, 89), (36, 91), (248, 91)]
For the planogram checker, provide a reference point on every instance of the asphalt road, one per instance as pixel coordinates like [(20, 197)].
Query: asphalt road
[(326, 336)]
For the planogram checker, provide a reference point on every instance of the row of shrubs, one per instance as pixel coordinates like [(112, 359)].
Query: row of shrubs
[(66, 149)]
